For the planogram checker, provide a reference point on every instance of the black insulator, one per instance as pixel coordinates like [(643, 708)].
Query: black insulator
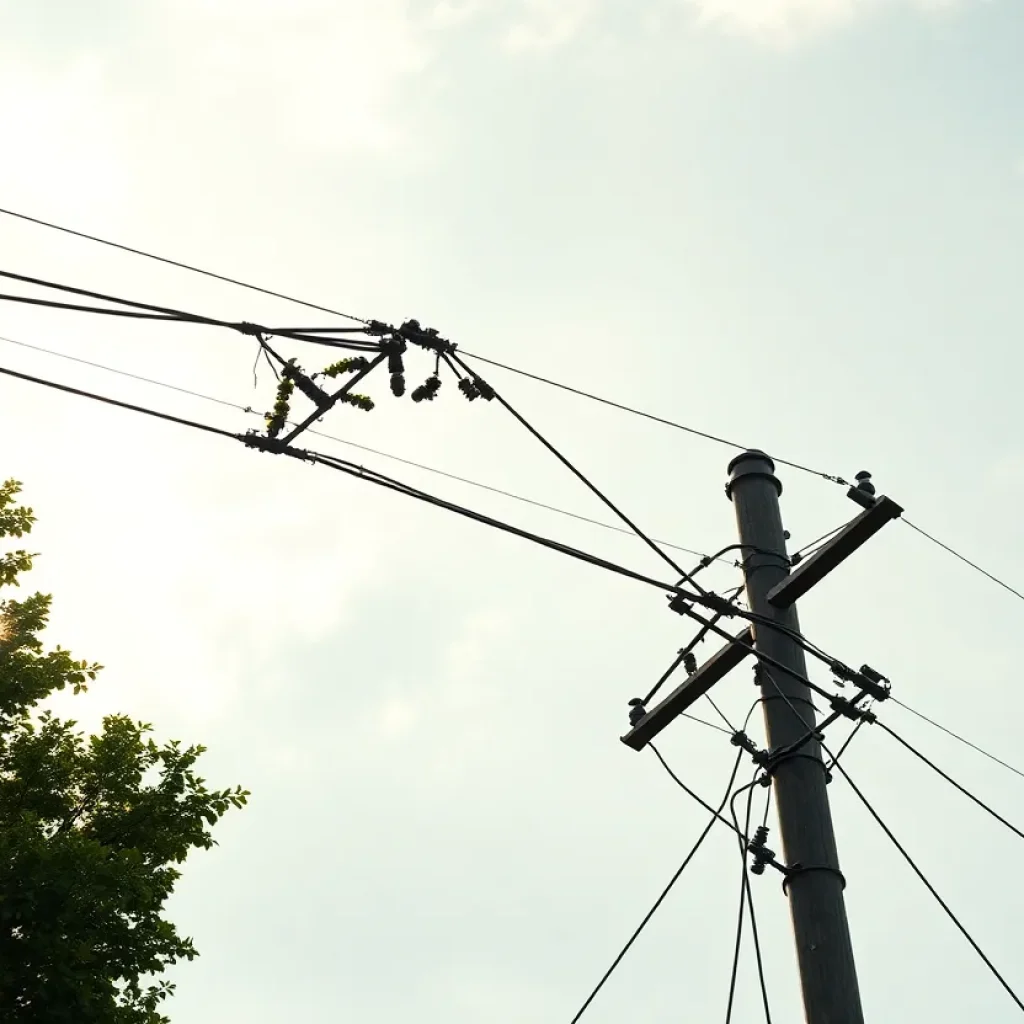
[(690, 663), (636, 711), (864, 483), (395, 364), (427, 391), (397, 385), (760, 836), (469, 389)]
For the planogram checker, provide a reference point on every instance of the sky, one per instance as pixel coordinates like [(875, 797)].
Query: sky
[(794, 224)]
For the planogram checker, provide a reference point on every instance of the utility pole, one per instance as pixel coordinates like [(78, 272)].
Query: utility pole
[(814, 883), (792, 760)]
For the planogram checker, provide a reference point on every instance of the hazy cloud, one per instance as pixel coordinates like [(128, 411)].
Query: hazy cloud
[(787, 21)]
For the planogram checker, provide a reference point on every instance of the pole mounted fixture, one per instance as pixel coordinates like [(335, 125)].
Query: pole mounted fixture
[(793, 758)]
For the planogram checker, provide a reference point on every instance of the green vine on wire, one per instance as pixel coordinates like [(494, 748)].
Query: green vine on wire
[(352, 364), (276, 419), (364, 402)]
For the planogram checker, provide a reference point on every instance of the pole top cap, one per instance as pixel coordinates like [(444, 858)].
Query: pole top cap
[(752, 463)]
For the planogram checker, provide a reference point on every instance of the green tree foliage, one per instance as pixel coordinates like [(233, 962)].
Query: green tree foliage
[(92, 829)]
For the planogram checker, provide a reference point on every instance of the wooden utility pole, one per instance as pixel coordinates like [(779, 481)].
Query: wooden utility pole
[(793, 761), (814, 883)]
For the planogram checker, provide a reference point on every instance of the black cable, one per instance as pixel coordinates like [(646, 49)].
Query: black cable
[(721, 714), (378, 478), (849, 739), (658, 902), (650, 416), (917, 871), (963, 558), (362, 473), (762, 658), (119, 404), (935, 768), (744, 883), (885, 828), (747, 893), (340, 440), (149, 311), (583, 479), (957, 736), (814, 543), (681, 656), (690, 793), (182, 266)]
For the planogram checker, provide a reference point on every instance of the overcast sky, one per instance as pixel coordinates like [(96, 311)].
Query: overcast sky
[(793, 223)]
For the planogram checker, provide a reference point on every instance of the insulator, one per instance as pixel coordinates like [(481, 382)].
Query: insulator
[(469, 389), (398, 384), (637, 711), (863, 479), (395, 363), (690, 663)]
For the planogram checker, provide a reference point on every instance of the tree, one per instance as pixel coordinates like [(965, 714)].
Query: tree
[(92, 829)]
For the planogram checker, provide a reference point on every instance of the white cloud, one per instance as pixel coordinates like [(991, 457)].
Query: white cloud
[(787, 21), (322, 75), (545, 24)]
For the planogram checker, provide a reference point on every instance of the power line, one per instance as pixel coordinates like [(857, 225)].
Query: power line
[(935, 768), (352, 444), (181, 266), (747, 895), (846, 743), (650, 416), (963, 558), (814, 543), (584, 480), (362, 473), (928, 885), (885, 828), (661, 899), (957, 737), (151, 311)]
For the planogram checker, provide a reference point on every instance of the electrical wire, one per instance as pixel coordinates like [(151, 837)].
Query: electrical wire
[(583, 479), (849, 739), (650, 416), (815, 543), (352, 444), (362, 473), (832, 478), (963, 558), (957, 737), (935, 768), (150, 311), (920, 874), (661, 899), (181, 266), (746, 895), (691, 794), (928, 885)]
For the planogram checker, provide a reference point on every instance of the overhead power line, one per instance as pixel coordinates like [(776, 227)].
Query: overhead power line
[(588, 483), (668, 888), (151, 311), (957, 737), (650, 416), (963, 558), (362, 473), (352, 444), (928, 885), (309, 336), (181, 266), (956, 785)]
